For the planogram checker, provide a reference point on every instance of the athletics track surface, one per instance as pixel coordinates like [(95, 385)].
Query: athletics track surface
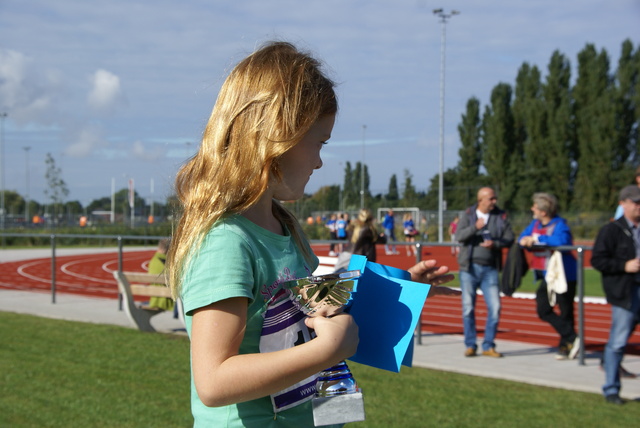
[(91, 275)]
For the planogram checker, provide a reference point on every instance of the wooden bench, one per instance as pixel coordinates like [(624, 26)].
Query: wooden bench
[(138, 284)]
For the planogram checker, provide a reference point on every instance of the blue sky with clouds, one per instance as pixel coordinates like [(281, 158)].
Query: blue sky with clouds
[(122, 89)]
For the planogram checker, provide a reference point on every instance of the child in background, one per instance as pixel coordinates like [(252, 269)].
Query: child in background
[(235, 244), (156, 266), (410, 232)]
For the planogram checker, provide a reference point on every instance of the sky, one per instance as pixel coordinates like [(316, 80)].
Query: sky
[(122, 90)]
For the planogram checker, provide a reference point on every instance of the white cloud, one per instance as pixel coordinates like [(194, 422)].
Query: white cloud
[(105, 94), (28, 92), (85, 141), (140, 152)]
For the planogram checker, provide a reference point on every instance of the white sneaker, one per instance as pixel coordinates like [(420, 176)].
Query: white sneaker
[(575, 348)]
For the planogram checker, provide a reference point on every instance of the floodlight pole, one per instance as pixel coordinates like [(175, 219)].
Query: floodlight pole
[(364, 129), (26, 198), (3, 116), (443, 20)]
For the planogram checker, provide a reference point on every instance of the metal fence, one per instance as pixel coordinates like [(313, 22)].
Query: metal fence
[(121, 239)]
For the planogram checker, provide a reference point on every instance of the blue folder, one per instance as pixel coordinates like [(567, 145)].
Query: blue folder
[(386, 305)]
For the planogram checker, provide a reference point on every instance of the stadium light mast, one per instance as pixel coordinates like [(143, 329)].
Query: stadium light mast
[(444, 17), (26, 197), (364, 129), (3, 116)]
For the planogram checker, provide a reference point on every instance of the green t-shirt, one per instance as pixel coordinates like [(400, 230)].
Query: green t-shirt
[(240, 259)]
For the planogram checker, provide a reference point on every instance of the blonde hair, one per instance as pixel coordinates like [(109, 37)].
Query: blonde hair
[(364, 220), (266, 105)]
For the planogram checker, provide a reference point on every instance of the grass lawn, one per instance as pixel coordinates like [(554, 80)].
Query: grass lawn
[(67, 374)]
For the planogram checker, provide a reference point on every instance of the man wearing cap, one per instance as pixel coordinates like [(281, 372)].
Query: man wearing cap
[(616, 254)]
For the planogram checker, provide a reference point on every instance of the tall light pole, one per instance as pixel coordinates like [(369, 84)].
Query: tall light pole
[(3, 116), (151, 207), (26, 197), (364, 129), (443, 20)]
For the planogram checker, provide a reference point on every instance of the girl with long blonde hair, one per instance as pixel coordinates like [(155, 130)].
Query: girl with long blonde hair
[(365, 235), (254, 363)]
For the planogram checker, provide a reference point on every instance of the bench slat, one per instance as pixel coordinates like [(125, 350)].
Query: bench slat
[(150, 290)]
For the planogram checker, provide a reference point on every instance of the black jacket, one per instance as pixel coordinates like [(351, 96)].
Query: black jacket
[(515, 267), (614, 246)]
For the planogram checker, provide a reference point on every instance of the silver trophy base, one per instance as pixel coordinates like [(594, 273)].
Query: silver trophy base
[(339, 409)]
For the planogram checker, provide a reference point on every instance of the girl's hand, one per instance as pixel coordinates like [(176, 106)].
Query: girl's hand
[(339, 334)]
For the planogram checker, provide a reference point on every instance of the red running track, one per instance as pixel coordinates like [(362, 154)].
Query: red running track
[(91, 275), (88, 275)]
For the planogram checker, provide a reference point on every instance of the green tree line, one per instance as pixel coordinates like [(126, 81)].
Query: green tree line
[(576, 140)]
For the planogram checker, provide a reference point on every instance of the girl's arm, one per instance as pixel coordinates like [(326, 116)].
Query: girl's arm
[(222, 376)]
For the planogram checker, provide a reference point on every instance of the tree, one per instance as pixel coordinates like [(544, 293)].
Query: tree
[(393, 194), (357, 185), (13, 203), (349, 191), (327, 198), (529, 161), (561, 141), (470, 131), (57, 189), (628, 102), (498, 144), (601, 155), (409, 194)]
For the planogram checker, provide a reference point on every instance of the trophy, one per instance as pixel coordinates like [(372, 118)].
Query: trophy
[(338, 399)]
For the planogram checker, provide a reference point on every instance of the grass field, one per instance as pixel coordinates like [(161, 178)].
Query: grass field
[(66, 374)]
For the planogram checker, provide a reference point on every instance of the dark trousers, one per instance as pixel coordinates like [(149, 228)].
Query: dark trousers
[(563, 323)]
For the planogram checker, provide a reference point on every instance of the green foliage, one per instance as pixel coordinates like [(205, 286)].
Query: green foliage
[(57, 373), (57, 188), (580, 143), (393, 194), (86, 236), (470, 153), (410, 197)]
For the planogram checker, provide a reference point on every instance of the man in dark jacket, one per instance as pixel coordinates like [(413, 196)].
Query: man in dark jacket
[(616, 254), (484, 231)]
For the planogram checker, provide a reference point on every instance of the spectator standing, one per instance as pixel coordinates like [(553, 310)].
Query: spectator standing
[(389, 225), (341, 230), (483, 230), (616, 254), (364, 235), (453, 226), (331, 225), (410, 232), (550, 230)]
